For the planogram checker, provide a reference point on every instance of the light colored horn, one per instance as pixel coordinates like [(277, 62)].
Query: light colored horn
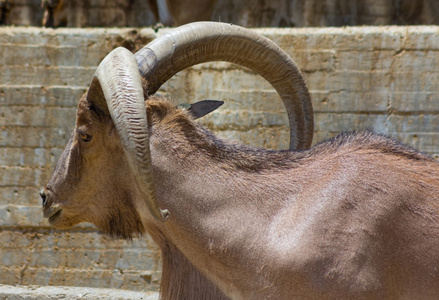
[(117, 88), (201, 42)]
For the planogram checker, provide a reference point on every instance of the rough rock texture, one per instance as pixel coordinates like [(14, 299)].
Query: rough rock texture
[(9, 292), (383, 78)]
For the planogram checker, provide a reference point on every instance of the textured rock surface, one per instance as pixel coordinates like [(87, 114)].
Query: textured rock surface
[(383, 78), (20, 292)]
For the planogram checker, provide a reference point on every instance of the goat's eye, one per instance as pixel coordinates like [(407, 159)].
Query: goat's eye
[(84, 136)]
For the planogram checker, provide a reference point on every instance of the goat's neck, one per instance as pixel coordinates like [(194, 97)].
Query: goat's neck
[(214, 212), (181, 280)]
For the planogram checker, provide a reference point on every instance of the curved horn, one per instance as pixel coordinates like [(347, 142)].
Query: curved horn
[(202, 42), (116, 87)]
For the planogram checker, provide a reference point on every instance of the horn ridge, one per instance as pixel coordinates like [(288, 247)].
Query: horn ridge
[(119, 79)]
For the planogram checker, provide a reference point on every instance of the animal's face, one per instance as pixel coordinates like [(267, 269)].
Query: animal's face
[(92, 181)]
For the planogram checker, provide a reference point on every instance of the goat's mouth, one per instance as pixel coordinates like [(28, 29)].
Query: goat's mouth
[(53, 213), (55, 216)]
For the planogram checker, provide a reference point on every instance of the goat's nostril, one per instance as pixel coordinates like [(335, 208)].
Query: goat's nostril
[(43, 196)]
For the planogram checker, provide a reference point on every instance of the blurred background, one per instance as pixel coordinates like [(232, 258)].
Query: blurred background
[(248, 13)]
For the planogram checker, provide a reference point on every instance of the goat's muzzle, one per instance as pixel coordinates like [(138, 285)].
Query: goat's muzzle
[(51, 210), (43, 196)]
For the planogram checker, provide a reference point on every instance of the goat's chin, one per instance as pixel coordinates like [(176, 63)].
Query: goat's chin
[(62, 225), (125, 228), (60, 221)]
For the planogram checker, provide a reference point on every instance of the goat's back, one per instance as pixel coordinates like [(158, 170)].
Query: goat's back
[(367, 222)]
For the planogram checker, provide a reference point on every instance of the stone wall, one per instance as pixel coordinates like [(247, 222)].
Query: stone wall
[(382, 78), (42, 75)]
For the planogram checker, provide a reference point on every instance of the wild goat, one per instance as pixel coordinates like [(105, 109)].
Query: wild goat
[(353, 217)]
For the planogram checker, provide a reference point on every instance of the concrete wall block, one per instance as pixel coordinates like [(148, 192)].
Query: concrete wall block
[(422, 123), (26, 157), (23, 116), (414, 81), (422, 38), (415, 102), (263, 100), (39, 95), (62, 117), (72, 259), (19, 136), (21, 216), (334, 123), (313, 60), (244, 119), (19, 195), (76, 258), (272, 138), (81, 237), (342, 39), (371, 38), (348, 101), (414, 60), (102, 39), (64, 96), (362, 81), (11, 292), (302, 39), (22, 176), (352, 81), (49, 55), (426, 141), (58, 137), (42, 75), (194, 85), (364, 60), (85, 278), (234, 80)]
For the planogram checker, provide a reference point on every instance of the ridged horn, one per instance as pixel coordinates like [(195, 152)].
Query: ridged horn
[(116, 87), (201, 42)]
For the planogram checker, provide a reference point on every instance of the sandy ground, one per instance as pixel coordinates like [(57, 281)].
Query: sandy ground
[(10, 292)]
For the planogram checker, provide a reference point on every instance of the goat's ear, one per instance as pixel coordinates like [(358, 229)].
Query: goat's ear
[(201, 108)]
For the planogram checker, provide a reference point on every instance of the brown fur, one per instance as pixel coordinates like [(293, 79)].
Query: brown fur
[(354, 217), (242, 157), (113, 209)]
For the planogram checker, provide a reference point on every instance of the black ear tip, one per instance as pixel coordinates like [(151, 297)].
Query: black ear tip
[(202, 108), (213, 104)]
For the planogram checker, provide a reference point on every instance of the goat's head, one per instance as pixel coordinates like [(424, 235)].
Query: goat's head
[(104, 175), (96, 152)]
